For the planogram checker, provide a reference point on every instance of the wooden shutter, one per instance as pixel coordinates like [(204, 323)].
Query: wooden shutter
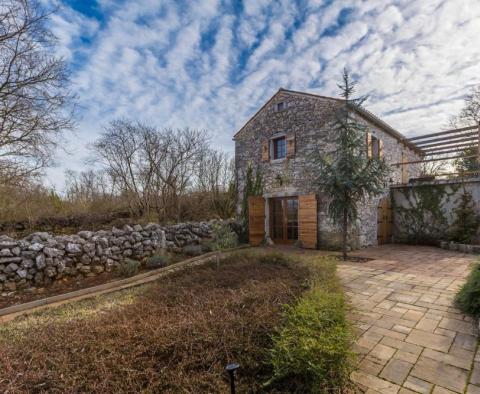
[(369, 146), (404, 167), (307, 221), (290, 145), (380, 149), (265, 150), (256, 220)]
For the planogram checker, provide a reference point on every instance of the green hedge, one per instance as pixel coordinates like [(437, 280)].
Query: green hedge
[(468, 298), (311, 350)]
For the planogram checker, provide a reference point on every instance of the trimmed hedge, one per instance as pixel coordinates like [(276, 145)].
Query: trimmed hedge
[(468, 298), (311, 350)]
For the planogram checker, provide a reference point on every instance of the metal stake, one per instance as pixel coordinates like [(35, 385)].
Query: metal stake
[(231, 368)]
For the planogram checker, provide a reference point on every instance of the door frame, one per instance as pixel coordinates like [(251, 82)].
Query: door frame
[(285, 239)]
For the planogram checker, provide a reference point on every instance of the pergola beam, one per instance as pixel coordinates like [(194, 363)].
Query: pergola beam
[(439, 159), (467, 139), (453, 131), (472, 134)]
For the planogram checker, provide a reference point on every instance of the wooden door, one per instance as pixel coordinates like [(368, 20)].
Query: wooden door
[(284, 219), (307, 221), (384, 221), (256, 220)]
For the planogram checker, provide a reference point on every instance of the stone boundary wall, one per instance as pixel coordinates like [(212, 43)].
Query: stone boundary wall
[(42, 258)]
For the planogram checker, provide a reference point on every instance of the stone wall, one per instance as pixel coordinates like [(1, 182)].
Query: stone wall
[(309, 119), (430, 226), (42, 258)]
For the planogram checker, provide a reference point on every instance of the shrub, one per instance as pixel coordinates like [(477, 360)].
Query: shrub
[(129, 268), (192, 250), (468, 298), (275, 258), (311, 350), (157, 261), (224, 237), (466, 222)]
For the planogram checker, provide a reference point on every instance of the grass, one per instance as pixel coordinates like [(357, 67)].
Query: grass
[(176, 334)]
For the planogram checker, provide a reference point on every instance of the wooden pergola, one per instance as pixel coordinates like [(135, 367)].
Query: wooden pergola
[(447, 145)]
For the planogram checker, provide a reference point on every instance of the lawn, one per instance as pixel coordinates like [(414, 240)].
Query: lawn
[(177, 334)]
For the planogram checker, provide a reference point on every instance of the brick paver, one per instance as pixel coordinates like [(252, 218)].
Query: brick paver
[(411, 337)]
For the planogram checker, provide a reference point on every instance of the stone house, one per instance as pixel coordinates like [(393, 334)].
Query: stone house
[(278, 141)]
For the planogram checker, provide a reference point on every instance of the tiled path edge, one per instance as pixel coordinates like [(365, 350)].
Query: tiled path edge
[(411, 338)]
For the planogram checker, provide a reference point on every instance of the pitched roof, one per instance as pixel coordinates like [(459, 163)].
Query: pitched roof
[(360, 110)]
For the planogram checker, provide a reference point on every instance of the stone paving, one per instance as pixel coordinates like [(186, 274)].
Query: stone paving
[(411, 338)]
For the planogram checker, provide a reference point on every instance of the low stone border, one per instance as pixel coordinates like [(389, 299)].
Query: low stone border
[(11, 312), (464, 248)]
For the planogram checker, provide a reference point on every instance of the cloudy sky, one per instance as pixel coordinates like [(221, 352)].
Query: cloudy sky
[(210, 63)]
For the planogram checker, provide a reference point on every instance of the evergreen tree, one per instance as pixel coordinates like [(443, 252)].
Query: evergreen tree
[(466, 222), (347, 173)]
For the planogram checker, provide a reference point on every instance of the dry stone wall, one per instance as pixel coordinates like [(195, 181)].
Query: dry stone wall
[(42, 258)]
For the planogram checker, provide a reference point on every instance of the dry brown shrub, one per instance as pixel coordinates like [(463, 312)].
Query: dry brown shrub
[(176, 337)]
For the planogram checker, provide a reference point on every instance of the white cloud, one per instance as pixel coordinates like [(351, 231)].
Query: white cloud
[(148, 61)]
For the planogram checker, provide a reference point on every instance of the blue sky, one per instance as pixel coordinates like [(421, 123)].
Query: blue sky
[(210, 64)]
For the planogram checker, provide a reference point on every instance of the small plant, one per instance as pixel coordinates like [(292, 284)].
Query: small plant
[(224, 237), (468, 298), (274, 258), (157, 261), (129, 268)]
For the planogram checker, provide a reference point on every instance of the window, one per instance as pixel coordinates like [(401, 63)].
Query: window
[(375, 147), (280, 106), (279, 148)]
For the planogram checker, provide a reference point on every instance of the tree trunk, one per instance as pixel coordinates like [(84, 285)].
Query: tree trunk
[(344, 234)]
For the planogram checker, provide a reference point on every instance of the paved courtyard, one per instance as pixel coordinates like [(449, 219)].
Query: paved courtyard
[(411, 338)]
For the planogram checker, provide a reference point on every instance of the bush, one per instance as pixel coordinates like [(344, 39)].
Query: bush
[(129, 268), (192, 250), (224, 237), (275, 258), (468, 298), (157, 261), (311, 350)]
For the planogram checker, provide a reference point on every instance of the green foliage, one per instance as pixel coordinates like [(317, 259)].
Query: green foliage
[(157, 261), (275, 258), (129, 268), (468, 298), (466, 222), (224, 237), (347, 173), (253, 187), (311, 350)]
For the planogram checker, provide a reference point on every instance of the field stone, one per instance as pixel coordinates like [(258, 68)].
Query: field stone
[(73, 248), (22, 273), (6, 253), (40, 261)]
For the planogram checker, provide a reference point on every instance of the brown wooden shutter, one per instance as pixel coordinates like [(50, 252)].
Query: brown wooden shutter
[(290, 145), (404, 167), (369, 146), (256, 220), (380, 149), (307, 221), (265, 150)]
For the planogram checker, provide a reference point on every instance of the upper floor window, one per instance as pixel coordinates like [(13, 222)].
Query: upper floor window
[(279, 148), (374, 146), (280, 106)]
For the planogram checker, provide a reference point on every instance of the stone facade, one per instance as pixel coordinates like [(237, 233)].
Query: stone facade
[(42, 258), (308, 117)]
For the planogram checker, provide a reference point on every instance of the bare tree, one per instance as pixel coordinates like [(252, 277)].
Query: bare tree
[(470, 113), (35, 104), (216, 179), (153, 168)]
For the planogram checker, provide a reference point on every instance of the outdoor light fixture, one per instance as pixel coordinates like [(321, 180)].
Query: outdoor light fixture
[(231, 368)]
